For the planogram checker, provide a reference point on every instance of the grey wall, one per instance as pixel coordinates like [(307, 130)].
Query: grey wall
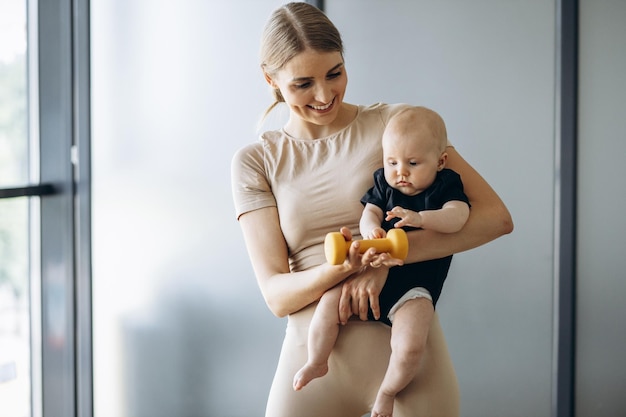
[(180, 327), (601, 324), (488, 67)]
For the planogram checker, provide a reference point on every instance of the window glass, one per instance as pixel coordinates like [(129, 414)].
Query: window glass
[(15, 341), (13, 94), (14, 309)]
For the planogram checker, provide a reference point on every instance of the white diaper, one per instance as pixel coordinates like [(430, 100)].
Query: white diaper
[(413, 293)]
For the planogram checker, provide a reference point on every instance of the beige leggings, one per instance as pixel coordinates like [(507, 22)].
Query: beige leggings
[(356, 369)]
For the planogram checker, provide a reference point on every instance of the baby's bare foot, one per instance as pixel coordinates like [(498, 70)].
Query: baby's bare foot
[(383, 407), (308, 373)]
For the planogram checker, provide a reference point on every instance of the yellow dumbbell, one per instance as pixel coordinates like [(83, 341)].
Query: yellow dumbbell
[(396, 243)]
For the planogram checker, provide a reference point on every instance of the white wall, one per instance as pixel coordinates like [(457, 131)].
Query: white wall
[(180, 328)]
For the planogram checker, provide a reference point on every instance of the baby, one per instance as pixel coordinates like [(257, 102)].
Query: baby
[(413, 190)]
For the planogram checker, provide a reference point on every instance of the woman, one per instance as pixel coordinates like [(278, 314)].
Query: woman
[(299, 183)]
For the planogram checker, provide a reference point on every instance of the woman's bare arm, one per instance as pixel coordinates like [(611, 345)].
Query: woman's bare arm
[(286, 292), (489, 218)]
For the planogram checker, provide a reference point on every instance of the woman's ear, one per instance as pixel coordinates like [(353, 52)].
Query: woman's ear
[(269, 80)]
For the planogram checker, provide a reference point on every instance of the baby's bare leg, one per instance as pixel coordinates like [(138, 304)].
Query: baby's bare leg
[(323, 332), (409, 332)]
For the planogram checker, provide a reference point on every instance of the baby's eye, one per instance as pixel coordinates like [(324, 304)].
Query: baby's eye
[(413, 163)]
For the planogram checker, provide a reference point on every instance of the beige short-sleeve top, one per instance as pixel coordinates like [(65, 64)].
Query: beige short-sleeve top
[(315, 184)]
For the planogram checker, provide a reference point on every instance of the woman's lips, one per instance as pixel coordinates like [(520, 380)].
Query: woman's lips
[(324, 107)]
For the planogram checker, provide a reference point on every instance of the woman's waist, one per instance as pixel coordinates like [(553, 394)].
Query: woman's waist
[(302, 318)]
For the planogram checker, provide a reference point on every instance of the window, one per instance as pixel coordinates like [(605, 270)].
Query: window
[(16, 216)]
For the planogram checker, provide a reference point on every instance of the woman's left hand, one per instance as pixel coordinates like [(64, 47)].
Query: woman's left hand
[(360, 292)]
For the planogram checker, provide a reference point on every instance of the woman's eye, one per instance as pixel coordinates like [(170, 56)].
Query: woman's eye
[(303, 85), (334, 75)]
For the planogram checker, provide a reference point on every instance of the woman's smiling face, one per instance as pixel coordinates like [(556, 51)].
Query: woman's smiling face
[(313, 85)]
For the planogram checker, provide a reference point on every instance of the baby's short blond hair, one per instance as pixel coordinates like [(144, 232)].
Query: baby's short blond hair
[(415, 119)]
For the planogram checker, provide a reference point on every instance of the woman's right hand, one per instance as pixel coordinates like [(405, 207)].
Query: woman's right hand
[(360, 291)]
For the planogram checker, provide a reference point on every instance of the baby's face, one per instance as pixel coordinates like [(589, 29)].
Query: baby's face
[(411, 163)]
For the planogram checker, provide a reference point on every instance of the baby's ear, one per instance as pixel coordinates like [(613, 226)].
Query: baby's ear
[(442, 161)]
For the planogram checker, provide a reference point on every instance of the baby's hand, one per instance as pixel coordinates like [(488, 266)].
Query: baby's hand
[(407, 217), (376, 233)]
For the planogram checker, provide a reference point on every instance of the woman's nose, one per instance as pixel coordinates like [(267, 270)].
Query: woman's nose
[(323, 93)]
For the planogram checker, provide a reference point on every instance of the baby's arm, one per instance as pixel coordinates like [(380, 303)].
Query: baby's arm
[(448, 219), (371, 219)]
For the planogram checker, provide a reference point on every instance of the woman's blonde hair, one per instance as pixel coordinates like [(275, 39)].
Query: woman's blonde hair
[(291, 29)]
